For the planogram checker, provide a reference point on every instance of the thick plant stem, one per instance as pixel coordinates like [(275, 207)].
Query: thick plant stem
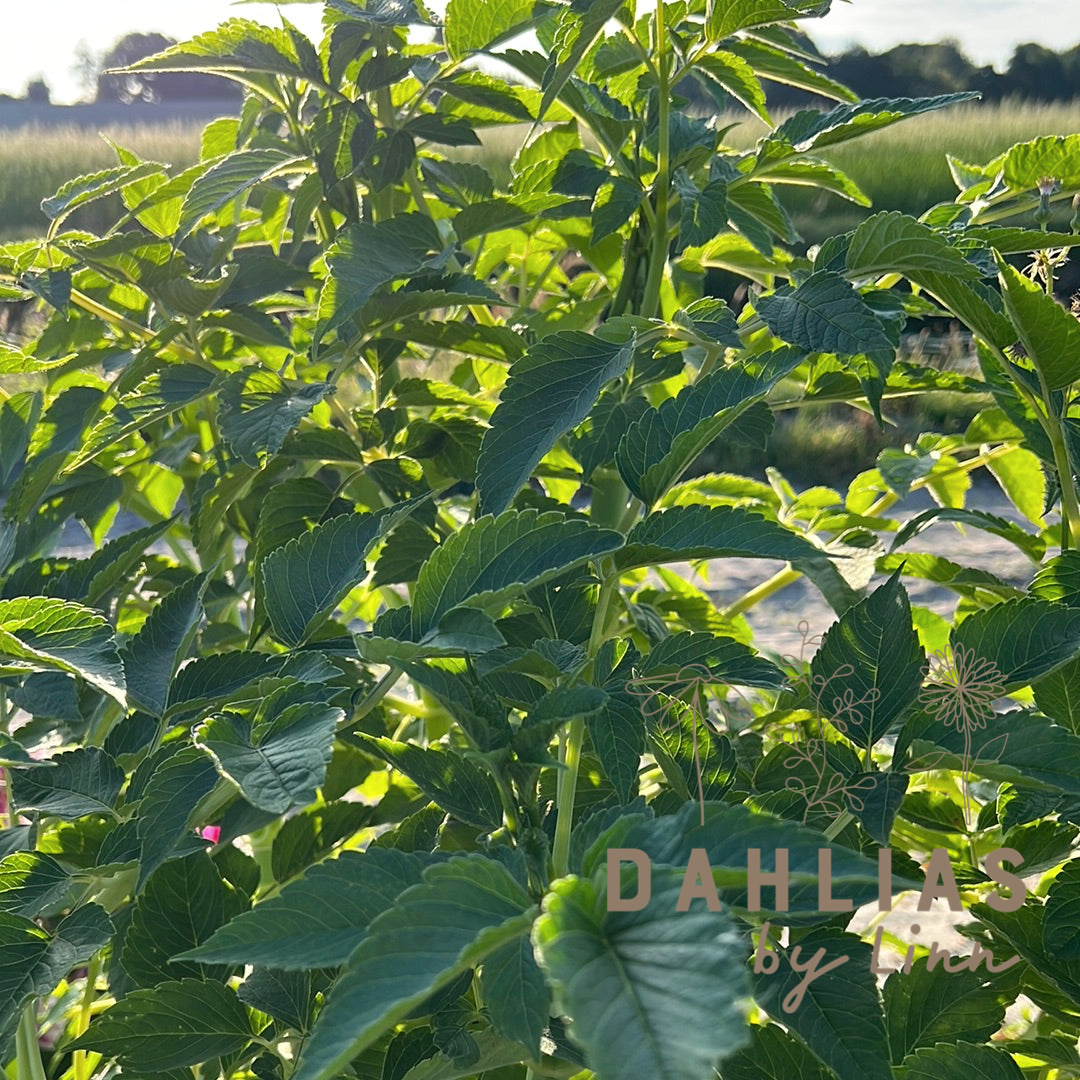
[(650, 306), (81, 1063), (570, 757), (27, 1052), (778, 581)]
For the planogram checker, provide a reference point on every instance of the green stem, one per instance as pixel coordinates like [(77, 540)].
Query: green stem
[(27, 1052), (375, 695), (650, 306), (839, 825), (778, 581), (571, 746), (81, 1064)]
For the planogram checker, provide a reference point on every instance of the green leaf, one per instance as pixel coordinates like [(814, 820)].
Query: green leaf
[(310, 575), (464, 910), (72, 785), (1025, 164), (738, 79), (978, 306), (614, 205), (1018, 746), (618, 733), (494, 1053), (773, 1055), (318, 920), (1059, 579), (893, 243), (232, 177), (576, 30), (839, 1017), (959, 1061), (1032, 546), (365, 256), (875, 799), (278, 764), (809, 130), (1049, 333), (777, 66), (659, 447), (479, 712), (513, 988), (237, 45), (928, 1007), (171, 1026), (1061, 919), (825, 314), (459, 786), (88, 188), (158, 395), (549, 391), (1024, 639), (32, 963), (31, 883), (710, 532), (43, 634), (629, 979), (870, 665), (172, 794), (153, 655), (725, 17), (183, 903), (819, 175), (258, 410), (494, 558)]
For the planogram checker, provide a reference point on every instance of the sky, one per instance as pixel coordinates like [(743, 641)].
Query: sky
[(41, 37)]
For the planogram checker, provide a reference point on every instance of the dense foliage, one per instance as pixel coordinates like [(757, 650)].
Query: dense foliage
[(313, 759)]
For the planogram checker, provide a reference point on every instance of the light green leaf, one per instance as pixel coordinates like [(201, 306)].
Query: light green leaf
[(1031, 545), (549, 391), (628, 980), (228, 180), (724, 17), (171, 1026), (492, 559), (86, 189), (237, 45), (43, 634), (893, 243), (153, 655), (738, 78), (1050, 334), (825, 314), (32, 883), (1061, 920), (1025, 164), (464, 910)]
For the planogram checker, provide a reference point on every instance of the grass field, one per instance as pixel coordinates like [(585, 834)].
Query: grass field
[(35, 161), (903, 168)]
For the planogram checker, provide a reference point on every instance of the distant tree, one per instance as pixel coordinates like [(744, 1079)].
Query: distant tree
[(1037, 73), (87, 69), (37, 91), (149, 87)]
